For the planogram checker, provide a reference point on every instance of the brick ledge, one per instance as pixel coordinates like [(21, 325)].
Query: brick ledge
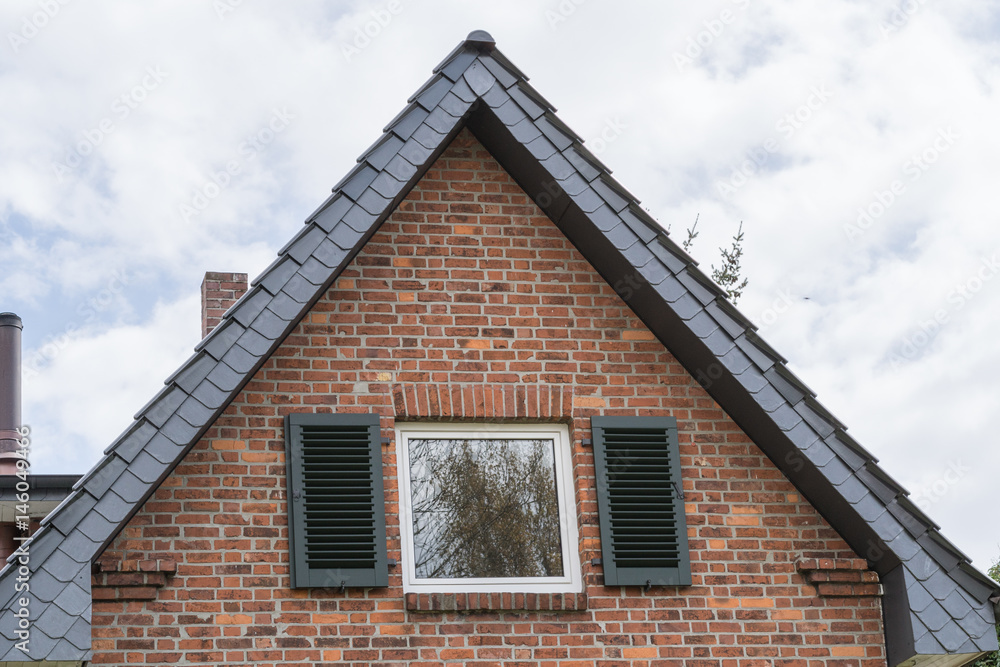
[(840, 577), (131, 579), (496, 601)]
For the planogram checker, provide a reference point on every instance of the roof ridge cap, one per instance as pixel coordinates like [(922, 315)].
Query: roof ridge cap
[(481, 38)]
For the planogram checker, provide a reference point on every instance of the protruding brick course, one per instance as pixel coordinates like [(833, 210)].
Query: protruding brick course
[(219, 291), (131, 579), (840, 577)]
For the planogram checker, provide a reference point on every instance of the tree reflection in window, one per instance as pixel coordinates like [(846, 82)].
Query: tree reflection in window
[(484, 508)]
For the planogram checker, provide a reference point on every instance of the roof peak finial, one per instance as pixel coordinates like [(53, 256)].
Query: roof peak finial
[(481, 37)]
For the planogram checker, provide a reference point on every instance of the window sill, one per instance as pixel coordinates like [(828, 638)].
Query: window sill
[(496, 601)]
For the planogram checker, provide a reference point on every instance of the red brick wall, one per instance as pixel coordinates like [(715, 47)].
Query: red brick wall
[(470, 303)]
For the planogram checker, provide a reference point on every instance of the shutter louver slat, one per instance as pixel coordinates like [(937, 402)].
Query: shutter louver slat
[(336, 501), (643, 528)]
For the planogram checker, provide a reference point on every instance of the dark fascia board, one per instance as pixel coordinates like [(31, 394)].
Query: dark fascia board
[(900, 645), (685, 325)]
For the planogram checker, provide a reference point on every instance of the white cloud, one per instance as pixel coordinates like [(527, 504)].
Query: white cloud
[(88, 385)]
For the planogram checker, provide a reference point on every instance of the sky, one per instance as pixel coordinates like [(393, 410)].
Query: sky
[(854, 140)]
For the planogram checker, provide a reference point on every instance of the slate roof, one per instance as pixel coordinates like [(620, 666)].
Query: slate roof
[(935, 602)]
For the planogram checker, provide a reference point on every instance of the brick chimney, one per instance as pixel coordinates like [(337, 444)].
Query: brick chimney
[(10, 391), (219, 291)]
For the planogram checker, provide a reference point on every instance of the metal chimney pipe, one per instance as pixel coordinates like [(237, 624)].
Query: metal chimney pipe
[(10, 391)]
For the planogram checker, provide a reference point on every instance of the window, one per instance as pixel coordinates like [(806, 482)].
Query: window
[(487, 507), (640, 501)]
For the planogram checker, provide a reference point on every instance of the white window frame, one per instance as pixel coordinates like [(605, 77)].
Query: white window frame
[(570, 582)]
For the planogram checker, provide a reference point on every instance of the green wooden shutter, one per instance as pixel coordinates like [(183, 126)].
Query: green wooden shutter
[(336, 506), (643, 529)]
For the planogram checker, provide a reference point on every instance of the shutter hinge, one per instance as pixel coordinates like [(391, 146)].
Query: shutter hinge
[(386, 442), (678, 490), (596, 561), (587, 442), (296, 494)]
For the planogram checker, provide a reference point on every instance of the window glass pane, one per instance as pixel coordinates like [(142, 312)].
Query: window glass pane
[(484, 508)]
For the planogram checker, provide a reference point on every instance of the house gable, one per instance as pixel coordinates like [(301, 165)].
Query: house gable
[(469, 305), (936, 603)]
